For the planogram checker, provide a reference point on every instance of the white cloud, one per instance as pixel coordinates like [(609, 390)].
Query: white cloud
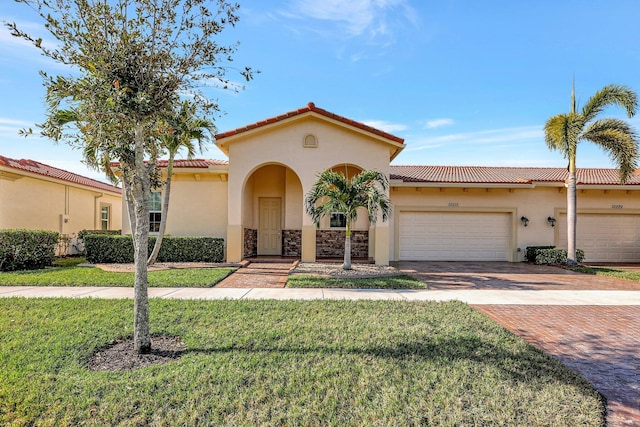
[(436, 123), (385, 126), (13, 123), (488, 137), (354, 18)]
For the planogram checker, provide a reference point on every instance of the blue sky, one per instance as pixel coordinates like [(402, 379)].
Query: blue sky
[(464, 82)]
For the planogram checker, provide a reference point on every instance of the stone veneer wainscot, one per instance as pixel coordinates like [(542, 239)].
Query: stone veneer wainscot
[(330, 243)]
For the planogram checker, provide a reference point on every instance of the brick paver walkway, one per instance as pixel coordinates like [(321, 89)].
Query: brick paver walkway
[(600, 342), (258, 275)]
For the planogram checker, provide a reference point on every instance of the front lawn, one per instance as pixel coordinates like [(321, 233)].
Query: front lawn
[(271, 362), (91, 276), (609, 272), (390, 282)]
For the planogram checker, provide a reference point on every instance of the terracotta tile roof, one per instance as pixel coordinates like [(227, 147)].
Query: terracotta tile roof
[(41, 169), (193, 163), (505, 175), (311, 107), (185, 163)]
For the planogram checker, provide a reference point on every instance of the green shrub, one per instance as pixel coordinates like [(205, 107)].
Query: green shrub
[(532, 251), (556, 256), (27, 249), (101, 248), (119, 249), (83, 233)]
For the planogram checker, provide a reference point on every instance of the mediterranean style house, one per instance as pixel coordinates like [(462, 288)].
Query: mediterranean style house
[(38, 196), (255, 200)]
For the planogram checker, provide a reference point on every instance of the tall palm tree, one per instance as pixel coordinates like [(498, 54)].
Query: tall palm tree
[(617, 138), (176, 132), (334, 192)]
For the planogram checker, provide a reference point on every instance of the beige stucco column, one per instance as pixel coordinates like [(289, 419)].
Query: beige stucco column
[(234, 243), (235, 238), (381, 250), (308, 239)]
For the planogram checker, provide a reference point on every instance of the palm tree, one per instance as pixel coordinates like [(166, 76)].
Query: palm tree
[(176, 132), (334, 192), (617, 138)]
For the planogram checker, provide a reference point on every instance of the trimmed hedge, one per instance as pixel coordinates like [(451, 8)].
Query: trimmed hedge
[(532, 251), (83, 233), (119, 249), (550, 255), (27, 249)]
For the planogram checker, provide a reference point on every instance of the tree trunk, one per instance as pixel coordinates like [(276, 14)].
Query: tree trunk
[(347, 247), (572, 218), (126, 186), (165, 210), (140, 189)]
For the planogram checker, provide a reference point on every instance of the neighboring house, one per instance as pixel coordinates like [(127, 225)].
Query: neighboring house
[(255, 200), (38, 196)]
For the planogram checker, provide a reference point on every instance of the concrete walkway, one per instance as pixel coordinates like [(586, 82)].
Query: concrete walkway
[(469, 296)]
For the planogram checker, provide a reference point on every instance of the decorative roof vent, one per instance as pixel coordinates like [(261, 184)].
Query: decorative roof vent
[(310, 141)]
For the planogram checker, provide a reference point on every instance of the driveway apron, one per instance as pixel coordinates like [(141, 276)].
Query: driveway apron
[(602, 343)]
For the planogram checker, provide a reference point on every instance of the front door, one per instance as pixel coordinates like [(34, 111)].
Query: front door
[(270, 231)]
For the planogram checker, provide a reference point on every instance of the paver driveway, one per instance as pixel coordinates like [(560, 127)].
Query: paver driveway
[(600, 342)]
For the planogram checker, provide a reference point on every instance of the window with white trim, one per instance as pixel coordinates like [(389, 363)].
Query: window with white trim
[(155, 211), (105, 216), (337, 220)]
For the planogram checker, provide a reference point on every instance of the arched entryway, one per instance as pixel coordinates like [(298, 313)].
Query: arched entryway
[(272, 212)]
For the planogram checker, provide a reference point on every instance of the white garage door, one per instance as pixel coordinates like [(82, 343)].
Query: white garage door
[(605, 238), (454, 236)]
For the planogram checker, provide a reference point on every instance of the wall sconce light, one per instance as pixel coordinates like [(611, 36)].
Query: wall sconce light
[(525, 220), (552, 221)]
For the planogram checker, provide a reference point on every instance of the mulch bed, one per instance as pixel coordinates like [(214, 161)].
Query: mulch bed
[(121, 356)]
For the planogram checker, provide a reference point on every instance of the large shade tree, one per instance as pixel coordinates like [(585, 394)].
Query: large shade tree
[(130, 63), (334, 192), (617, 138)]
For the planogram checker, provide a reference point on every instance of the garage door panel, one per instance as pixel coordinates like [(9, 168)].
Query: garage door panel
[(453, 236), (604, 237)]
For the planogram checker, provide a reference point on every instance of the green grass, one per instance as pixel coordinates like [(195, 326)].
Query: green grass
[(68, 261), (390, 282), (91, 276), (330, 363), (609, 272)]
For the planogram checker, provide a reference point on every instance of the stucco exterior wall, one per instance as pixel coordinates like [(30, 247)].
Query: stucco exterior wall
[(283, 145), (254, 158), (197, 206), (537, 204), (34, 203)]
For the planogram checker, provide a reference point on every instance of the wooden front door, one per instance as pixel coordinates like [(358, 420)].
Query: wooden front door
[(270, 230)]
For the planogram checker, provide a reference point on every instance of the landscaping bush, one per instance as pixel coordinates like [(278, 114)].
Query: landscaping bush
[(27, 249), (100, 248), (556, 256), (119, 249), (83, 233), (532, 252)]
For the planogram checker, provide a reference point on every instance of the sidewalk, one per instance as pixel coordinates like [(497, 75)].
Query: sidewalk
[(469, 296)]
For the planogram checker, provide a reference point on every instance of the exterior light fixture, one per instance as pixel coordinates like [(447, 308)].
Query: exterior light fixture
[(552, 221), (525, 220)]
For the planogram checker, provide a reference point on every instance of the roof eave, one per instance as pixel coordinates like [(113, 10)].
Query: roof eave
[(223, 140), (43, 177)]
